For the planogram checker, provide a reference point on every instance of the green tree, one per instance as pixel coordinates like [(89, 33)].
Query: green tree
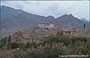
[(3, 42), (9, 38), (34, 45), (13, 45), (28, 45), (65, 39), (21, 45)]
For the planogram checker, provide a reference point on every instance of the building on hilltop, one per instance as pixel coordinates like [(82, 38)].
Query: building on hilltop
[(49, 26)]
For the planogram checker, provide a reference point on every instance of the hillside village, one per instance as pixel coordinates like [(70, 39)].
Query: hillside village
[(38, 34)]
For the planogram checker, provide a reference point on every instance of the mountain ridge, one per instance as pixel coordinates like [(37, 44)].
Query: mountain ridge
[(23, 20)]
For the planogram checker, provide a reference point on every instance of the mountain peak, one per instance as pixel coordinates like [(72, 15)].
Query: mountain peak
[(69, 16), (65, 15), (51, 17)]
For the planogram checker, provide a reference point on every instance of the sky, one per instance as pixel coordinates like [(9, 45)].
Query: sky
[(79, 9)]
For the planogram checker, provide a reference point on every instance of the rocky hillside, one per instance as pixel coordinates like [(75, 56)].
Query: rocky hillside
[(39, 34), (35, 34)]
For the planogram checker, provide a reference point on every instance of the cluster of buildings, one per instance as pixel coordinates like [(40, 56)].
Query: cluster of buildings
[(52, 26), (38, 34)]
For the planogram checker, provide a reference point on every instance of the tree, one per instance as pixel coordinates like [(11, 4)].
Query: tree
[(21, 45), (34, 45), (88, 46), (28, 45), (13, 45), (3, 42), (9, 38), (84, 27)]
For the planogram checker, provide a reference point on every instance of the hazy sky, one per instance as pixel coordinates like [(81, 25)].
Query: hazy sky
[(79, 9)]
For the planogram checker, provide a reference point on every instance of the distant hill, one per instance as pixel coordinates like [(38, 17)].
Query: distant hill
[(12, 18), (7, 12), (70, 21), (18, 19), (83, 19)]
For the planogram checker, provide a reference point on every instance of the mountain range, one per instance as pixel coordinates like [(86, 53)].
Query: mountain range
[(18, 19)]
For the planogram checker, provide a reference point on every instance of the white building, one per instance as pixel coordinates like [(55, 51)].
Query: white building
[(49, 26)]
